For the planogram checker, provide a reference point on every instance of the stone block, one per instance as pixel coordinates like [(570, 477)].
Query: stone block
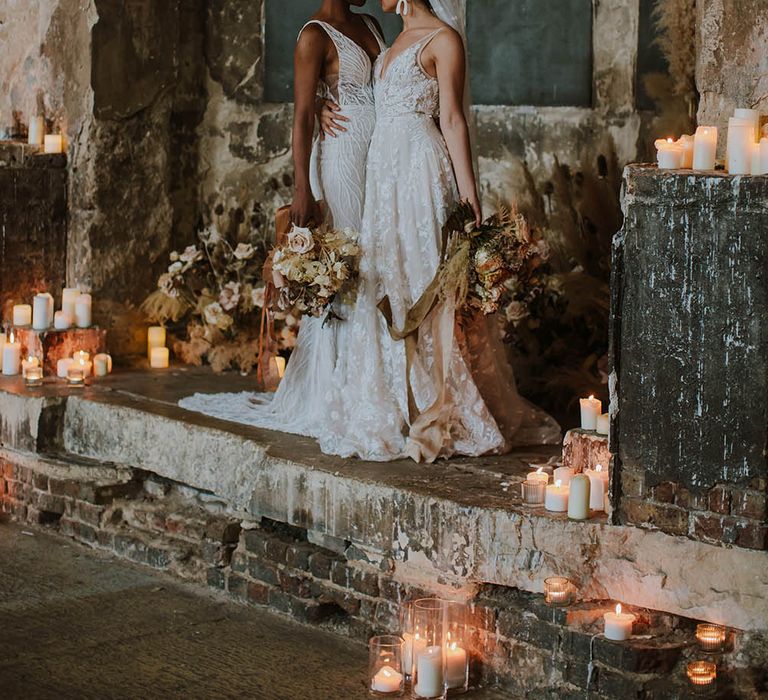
[(669, 519), (256, 541), (320, 565), (583, 449), (749, 504), (55, 345), (260, 570), (258, 593), (297, 555), (216, 578), (237, 586)]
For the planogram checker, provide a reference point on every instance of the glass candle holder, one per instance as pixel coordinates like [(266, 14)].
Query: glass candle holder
[(76, 376), (33, 376), (710, 637), (534, 492), (456, 648), (407, 633), (558, 591), (702, 673), (386, 666), (429, 645)]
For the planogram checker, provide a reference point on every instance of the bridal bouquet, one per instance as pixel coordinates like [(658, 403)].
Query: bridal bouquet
[(499, 261), (313, 268)]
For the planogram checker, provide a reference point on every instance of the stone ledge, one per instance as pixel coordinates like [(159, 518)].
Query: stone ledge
[(453, 523)]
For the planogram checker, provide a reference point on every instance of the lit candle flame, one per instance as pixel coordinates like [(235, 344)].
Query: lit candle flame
[(82, 362), (618, 608), (599, 468), (453, 646), (591, 397), (558, 483), (11, 339), (540, 470), (670, 140)]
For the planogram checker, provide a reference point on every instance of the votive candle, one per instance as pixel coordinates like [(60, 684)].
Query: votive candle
[(538, 475), (33, 376), (618, 625), (702, 672), (710, 637), (556, 498), (533, 492), (558, 591), (76, 374)]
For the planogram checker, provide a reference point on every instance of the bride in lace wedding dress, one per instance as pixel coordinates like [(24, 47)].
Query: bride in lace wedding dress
[(464, 399)]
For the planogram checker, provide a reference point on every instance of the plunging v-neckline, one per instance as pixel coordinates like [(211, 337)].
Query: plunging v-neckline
[(384, 72), (371, 59)]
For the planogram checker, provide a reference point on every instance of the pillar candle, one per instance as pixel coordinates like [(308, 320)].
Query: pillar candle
[(62, 320), (598, 487), (62, 367), (538, 475), (764, 156), (670, 154), (752, 116), (387, 680), (429, 673), (456, 666), (705, 148), (591, 408), (42, 312), (3, 341), (11, 357), (757, 167), (618, 625), (740, 140), (412, 644), (556, 498), (22, 315), (102, 365), (36, 131), (83, 311), (686, 144), (603, 424), (563, 475), (159, 358), (68, 299), (156, 338), (54, 143), (578, 497)]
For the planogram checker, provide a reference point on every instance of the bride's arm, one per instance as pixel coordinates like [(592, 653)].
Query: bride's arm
[(450, 64), (308, 65)]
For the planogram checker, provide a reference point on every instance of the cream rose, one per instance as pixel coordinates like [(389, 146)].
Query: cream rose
[(300, 240)]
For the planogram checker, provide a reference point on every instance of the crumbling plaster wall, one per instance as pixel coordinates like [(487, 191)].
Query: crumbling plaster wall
[(732, 59)]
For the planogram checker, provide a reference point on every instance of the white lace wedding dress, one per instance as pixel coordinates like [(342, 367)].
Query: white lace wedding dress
[(463, 387), (337, 175)]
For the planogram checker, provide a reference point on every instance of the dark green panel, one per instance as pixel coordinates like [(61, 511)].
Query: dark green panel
[(650, 58), (531, 52), (284, 20)]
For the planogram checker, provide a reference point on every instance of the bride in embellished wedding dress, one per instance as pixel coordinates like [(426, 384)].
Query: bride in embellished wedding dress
[(464, 400)]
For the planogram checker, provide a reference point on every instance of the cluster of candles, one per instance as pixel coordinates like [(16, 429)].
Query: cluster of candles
[(430, 654), (79, 367), (157, 351), (746, 154), (75, 311), (576, 494), (50, 143), (711, 639)]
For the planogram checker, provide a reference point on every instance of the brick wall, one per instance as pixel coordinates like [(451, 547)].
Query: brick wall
[(519, 644), (33, 221)]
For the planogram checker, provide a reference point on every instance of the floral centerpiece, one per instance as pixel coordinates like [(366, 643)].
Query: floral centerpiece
[(313, 267), (215, 289)]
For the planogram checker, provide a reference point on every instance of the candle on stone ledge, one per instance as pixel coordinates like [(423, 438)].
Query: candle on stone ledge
[(33, 376), (54, 143), (558, 591), (102, 365), (591, 408), (705, 148), (456, 666), (159, 358), (68, 299), (741, 136), (686, 144), (618, 625), (36, 131), (563, 475), (62, 367), (28, 364), (538, 475), (76, 373), (710, 637), (22, 315), (603, 424), (598, 486), (387, 681), (670, 154), (702, 673), (42, 310), (578, 497), (556, 498), (62, 320), (11, 357), (533, 492), (156, 338), (430, 679), (752, 116), (83, 305)]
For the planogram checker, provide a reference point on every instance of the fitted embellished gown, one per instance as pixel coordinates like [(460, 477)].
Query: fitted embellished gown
[(337, 175)]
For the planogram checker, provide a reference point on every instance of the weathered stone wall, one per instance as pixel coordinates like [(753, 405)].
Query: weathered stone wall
[(689, 355), (732, 59)]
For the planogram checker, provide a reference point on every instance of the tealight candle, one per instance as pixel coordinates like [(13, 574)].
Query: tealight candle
[(36, 131), (538, 475), (563, 475), (54, 143), (591, 408), (62, 367), (710, 637), (83, 311), (533, 492), (578, 497), (62, 320), (33, 376), (29, 363), (159, 358), (156, 338), (558, 591), (603, 424), (102, 365), (387, 681), (556, 498), (68, 299), (11, 357), (702, 672), (618, 625), (22, 315), (76, 373), (430, 680), (456, 666), (41, 312), (598, 486), (705, 148)]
